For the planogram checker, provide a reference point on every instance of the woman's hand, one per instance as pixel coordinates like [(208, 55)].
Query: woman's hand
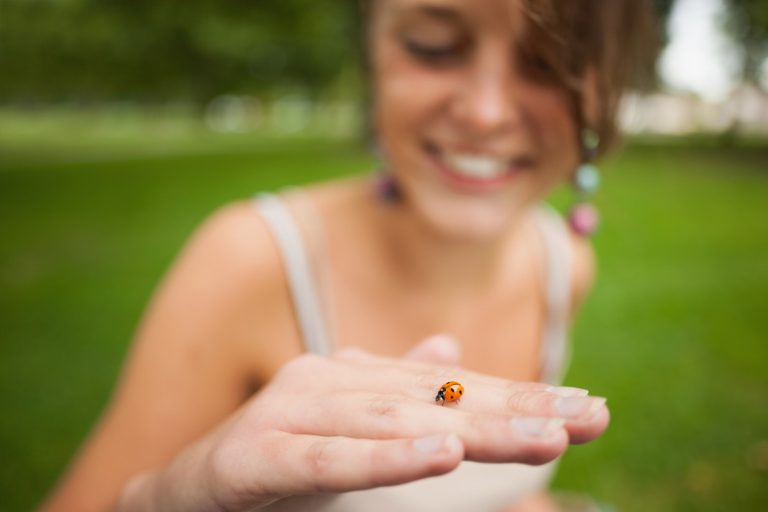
[(356, 421)]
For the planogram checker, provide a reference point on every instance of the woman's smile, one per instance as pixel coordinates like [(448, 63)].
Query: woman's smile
[(473, 170)]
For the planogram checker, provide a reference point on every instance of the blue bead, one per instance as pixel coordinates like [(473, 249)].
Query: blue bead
[(587, 179)]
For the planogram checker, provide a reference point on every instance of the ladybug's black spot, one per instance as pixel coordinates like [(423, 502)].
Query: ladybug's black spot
[(461, 391)]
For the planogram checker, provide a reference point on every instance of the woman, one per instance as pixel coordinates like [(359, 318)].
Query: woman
[(480, 108)]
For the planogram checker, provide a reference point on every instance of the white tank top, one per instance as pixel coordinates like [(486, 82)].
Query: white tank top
[(472, 486)]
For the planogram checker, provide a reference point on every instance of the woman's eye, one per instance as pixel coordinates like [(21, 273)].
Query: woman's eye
[(435, 53)]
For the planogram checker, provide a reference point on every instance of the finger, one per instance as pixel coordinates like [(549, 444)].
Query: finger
[(311, 464), (587, 417), (581, 432), (482, 393), (438, 349), (415, 376), (486, 437)]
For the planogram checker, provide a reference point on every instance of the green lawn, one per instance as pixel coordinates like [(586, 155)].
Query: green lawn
[(674, 333)]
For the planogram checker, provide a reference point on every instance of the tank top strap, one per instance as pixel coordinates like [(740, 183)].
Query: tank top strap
[(555, 353), (309, 311), (301, 282)]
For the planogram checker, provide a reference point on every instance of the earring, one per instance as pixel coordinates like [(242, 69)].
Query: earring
[(582, 216), (385, 186)]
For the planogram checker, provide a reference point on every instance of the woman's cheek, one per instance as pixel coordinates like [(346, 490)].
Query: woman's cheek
[(554, 131), (407, 90), (410, 98)]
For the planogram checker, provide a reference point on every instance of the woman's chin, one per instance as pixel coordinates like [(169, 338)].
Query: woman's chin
[(469, 221)]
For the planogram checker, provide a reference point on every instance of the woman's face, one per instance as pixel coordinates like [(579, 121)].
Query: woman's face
[(472, 131)]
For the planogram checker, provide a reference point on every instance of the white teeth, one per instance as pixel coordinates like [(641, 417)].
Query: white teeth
[(475, 166)]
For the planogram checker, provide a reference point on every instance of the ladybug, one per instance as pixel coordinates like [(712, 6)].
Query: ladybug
[(451, 391)]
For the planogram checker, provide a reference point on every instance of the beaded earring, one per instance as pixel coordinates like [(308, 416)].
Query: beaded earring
[(384, 183), (386, 187), (582, 216)]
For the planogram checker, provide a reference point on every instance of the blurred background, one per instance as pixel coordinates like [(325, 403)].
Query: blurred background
[(123, 124)]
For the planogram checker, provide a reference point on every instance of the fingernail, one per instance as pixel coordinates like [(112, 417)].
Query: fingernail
[(582, 407), (537, 426), (430, 444), (567, 391)]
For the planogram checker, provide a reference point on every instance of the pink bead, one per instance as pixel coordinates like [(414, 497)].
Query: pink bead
[(583, 219)]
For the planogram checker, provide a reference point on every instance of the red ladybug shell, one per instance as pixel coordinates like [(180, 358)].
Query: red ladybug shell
[(451, 391)]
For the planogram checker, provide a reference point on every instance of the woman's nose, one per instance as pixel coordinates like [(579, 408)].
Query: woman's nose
[(488, 103)]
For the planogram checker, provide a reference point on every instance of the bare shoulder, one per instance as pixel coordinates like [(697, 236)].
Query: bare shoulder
[(209, 315), (583, 267), (233, 241), (230, 272)]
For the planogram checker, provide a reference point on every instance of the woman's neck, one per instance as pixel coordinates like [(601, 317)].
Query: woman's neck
[(446, 266)]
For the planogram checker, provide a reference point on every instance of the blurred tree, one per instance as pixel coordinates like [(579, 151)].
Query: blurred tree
[(747, 23), (161, 50), (170, 49), (662, 8)]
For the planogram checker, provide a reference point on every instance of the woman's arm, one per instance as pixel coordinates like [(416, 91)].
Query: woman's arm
[(190, 364), (321, 425), (357, 421)]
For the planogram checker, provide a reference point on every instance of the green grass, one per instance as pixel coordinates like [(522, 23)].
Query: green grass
[(674, 333)]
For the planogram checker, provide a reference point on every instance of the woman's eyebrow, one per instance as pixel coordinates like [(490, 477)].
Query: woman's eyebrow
[(436, 12)]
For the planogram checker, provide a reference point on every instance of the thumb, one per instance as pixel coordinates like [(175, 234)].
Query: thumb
[(440, 349)]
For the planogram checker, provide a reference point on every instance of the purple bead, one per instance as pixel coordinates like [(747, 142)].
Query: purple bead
[(387, 189), (583, 219)]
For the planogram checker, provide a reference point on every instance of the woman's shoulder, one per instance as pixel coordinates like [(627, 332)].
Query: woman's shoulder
[(234, 242), (242, 241), (230, 275), (230, 271)]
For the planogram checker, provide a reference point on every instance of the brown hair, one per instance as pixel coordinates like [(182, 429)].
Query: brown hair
[(609, 44), (597, 48)]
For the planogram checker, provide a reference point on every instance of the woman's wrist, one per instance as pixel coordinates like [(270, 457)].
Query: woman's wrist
[(139, 494), (177, 487)]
